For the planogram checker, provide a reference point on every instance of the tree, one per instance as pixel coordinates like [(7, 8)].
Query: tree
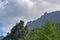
[(47, 32), (17, 32)]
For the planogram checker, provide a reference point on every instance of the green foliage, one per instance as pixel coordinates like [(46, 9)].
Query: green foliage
[(49, 31)]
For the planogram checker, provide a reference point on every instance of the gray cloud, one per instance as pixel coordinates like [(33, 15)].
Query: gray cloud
[(50, 1), (54, 1)]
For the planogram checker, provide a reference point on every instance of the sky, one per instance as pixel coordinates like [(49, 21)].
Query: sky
[(12, 11)]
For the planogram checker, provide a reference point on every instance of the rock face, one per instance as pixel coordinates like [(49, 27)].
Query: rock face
[(53, 16), (1, 37), (20, 34)]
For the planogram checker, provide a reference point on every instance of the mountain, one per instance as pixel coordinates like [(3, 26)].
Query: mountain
[(53, 16), (1, 37)]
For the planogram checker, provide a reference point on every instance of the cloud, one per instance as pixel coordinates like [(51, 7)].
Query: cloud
[(12, 11), (3, 3), (54, 1)]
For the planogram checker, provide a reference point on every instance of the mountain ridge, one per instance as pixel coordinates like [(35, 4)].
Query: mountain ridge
[(53, 16)]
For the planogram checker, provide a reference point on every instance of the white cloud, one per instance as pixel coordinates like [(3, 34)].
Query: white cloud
[(3, 3)]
